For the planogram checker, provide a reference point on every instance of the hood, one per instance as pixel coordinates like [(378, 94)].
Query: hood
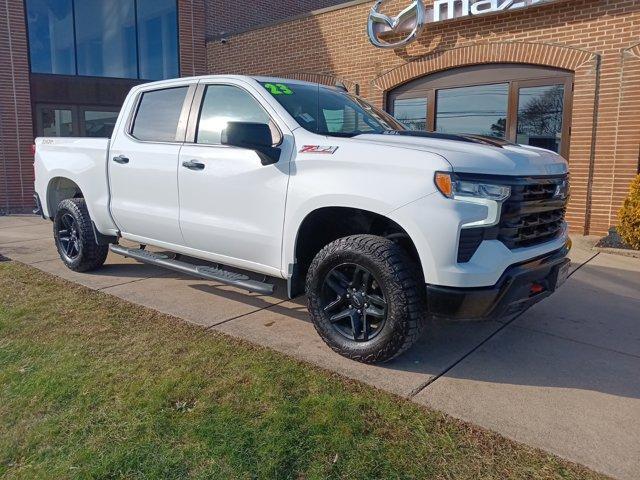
[(476, 154)]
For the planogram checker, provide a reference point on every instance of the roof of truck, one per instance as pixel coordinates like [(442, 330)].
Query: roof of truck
[(257, 78)]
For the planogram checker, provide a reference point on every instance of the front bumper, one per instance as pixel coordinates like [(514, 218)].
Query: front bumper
[(521, 286)]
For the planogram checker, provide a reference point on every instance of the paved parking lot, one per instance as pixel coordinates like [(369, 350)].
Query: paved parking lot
[(563, 377)]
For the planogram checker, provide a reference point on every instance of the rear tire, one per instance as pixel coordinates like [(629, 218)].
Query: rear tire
[(366, 298), (75, 239)]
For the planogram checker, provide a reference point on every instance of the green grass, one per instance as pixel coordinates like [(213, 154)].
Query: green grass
[(94, 387)]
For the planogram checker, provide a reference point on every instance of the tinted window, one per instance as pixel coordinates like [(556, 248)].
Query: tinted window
[(98, 123), (412, 112), (540, 112), (480, 110), (158, 114), (51, 36), (106, 38), (158, 39), (223, 104), (109, 38), (56, 122), (329, 111)]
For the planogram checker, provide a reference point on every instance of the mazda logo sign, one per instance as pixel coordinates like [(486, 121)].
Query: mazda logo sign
[(412, 20)]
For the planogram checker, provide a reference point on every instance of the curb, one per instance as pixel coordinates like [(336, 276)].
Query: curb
[(623, 252)]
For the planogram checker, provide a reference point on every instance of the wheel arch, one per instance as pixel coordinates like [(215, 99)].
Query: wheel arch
[(58, 189), (325, 224)]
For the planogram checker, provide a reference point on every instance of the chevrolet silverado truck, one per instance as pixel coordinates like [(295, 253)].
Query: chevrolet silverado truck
[(383, 228)]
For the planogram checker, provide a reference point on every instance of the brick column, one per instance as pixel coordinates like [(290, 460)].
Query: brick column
[(191, 24), (16, 126)]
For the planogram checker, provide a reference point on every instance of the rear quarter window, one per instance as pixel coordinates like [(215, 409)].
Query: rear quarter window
[(158, 114)]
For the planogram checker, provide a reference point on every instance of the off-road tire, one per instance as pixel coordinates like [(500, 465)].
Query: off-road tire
[(404, 291), (91, 255)]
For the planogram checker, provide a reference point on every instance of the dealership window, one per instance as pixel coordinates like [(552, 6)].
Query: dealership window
[(106, 38), (56, 122), (540, 116), (75, 120), (480, 110), (158, 38), (98, 123), (116, 38), (412, 112), (521, 103), (51, 36)]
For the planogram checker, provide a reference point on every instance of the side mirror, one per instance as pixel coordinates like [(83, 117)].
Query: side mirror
[(253, 136)]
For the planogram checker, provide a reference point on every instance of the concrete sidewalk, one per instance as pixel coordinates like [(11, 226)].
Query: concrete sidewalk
[(563, 377)]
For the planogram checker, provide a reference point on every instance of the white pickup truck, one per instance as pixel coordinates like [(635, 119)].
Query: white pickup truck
[(381, 227)]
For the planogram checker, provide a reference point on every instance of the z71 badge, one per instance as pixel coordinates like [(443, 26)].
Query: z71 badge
[(318, 149)]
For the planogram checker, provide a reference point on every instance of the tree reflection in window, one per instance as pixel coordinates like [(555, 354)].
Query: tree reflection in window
[(540, 112)]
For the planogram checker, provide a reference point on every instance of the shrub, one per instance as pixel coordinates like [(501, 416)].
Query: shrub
[(629, 216)]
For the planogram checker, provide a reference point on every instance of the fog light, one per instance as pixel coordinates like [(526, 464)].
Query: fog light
[(536, 288)]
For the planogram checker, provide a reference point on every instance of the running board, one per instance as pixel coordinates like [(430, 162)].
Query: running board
[(208, 273)]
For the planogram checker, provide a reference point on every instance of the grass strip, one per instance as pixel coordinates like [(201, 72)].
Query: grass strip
[(95, 387)]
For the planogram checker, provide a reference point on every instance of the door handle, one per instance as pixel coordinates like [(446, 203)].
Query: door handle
[(193, 165), (121, 159)]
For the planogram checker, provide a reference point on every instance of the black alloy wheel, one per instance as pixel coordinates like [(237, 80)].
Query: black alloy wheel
[(68, 237), (75, 238), (366, 298), (354, 302)]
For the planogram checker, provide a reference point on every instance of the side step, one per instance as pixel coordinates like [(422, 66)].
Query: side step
[(208, 273)]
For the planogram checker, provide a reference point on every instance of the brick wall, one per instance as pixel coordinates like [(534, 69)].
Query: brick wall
[(191, 25), (16, 128), (597, 39), (226, 17)]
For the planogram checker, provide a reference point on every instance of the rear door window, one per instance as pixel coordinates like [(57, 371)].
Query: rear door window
[(158, 114)]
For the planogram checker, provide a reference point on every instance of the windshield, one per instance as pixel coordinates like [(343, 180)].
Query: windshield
[(330, 112)]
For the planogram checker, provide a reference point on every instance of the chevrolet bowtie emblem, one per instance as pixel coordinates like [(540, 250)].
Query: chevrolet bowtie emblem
[(412, 19)]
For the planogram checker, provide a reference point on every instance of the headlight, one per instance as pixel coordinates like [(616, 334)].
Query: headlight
[(450, 187)]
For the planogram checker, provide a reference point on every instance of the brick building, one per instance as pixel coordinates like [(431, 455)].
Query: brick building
[(67, 65), (559, 74)]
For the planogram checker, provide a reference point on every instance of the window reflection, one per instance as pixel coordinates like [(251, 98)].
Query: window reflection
[(479, 110), (412, 112), (104, 38), (51, 36), (157, 39), (158, 114), (106, 42), (223, 104), (56, 122), (540, 112), (99, 124)]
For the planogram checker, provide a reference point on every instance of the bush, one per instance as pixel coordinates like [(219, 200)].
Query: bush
[(629, 216)]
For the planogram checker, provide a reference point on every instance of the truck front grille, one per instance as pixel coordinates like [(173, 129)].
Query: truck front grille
[(532, 215)]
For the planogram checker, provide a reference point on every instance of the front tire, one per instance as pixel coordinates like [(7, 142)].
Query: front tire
[(365, 298), (75, 239)]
